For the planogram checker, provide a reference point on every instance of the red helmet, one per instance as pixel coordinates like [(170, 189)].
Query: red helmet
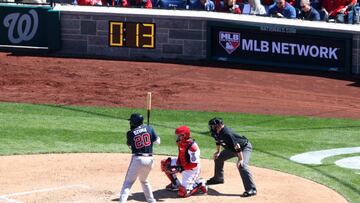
[(183, 130)]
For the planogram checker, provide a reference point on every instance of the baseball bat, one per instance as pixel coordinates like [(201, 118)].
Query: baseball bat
[(148, 104)]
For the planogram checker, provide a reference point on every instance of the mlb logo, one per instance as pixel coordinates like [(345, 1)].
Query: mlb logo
[(230, 41)]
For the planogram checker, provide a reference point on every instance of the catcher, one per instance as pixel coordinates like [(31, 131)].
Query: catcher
[(187, 163)]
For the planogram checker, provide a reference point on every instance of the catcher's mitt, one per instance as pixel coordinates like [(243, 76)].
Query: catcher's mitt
[(168, 168), (174, 169)]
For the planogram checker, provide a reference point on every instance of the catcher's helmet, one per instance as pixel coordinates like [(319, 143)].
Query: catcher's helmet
[(136, 119), (183, 130)]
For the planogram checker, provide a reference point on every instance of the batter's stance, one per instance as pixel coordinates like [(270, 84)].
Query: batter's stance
[(187, 163), (140, 138), (234, 146)]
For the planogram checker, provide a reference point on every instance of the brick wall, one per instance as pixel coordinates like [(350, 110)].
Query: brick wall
[(356, 54), (84, 34)]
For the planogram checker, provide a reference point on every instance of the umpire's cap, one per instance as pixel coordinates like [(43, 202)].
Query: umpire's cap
[(215, 121), (136, 119)]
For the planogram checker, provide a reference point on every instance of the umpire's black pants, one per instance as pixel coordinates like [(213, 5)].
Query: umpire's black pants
[(244, 171)]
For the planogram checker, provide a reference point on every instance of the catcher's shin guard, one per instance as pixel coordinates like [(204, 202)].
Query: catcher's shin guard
[(165, 163), (203, 188), (173, 178), (182, 191)]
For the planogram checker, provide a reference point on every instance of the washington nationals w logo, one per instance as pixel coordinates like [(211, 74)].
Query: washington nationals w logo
[(21, 27)]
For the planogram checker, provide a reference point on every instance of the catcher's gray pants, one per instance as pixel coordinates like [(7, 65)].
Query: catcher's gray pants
[(244, 171), (140, 166)]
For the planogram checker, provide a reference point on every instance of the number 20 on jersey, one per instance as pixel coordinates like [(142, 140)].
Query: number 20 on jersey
[(132, 35)]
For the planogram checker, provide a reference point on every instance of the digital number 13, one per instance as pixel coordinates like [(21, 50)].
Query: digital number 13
[(145, 35)]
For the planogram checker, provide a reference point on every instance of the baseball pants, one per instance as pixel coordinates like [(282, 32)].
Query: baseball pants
[(140, 166), (189, 177), (244, 171)]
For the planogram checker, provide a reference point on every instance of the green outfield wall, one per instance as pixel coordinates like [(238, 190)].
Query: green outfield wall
[(36, 27), (154, 34)]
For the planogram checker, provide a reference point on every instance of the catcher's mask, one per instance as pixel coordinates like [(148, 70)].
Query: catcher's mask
[(182, 131), (136, 119), (215, 122)]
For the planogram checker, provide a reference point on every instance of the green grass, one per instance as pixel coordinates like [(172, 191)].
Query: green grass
[(32, 129)]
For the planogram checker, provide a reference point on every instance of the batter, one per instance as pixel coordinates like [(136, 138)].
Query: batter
[(140, 139)]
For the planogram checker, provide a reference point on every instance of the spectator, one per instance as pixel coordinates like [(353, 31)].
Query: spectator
[(27, 1), (293, 3), (267, 4), (137, 3), (234, 7), (256, 8), (111, 2), (207, 5), (356, 13), (177, 4), (337, 10), (89, 2), (308, 12), (220, 5), (316, 4), (282, 9), (228, 6)]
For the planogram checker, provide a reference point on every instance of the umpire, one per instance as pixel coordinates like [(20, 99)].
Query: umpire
[(234, 146)]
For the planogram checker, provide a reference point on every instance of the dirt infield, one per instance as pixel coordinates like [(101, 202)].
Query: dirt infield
[(98, 177), (122, 83)]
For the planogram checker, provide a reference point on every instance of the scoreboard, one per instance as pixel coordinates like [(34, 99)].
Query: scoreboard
[(131, 34)]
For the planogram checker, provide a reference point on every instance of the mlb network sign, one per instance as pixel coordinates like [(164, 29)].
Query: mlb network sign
[(282, 49)]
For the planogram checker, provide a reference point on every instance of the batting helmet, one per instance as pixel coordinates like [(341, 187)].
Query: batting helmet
[(183, 130), (136, 119)]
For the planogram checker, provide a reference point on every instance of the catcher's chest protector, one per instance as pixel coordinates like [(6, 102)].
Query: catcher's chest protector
[(188, 154)]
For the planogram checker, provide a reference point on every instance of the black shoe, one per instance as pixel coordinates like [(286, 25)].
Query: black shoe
[(249, 193), (172, 187), (213, 181)]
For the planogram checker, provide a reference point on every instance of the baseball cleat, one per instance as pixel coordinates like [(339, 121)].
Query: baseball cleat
[(213, 181), (203, 189), (172, 187), (249, 193)]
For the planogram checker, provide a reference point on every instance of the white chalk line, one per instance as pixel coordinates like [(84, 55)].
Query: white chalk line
[(350, 162), (7, 199), (315, 157)]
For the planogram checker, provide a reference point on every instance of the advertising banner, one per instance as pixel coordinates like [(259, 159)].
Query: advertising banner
[(281, 46), (27, 26)]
